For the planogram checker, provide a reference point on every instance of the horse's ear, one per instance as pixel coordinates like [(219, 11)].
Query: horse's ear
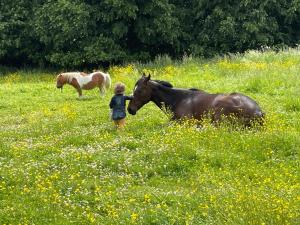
[(148, 78), (143, 75)]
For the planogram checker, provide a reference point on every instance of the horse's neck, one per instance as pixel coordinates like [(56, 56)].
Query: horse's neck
[(168, 97), (81, 80), (69, 77)]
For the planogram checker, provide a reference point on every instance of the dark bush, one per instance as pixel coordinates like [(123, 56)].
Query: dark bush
[(73, 34)]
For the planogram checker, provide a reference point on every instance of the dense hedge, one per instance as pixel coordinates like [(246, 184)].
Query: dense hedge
[(74, 33)]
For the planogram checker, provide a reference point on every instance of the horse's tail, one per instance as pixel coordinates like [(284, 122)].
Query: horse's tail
[(107, 81), (106, 84)]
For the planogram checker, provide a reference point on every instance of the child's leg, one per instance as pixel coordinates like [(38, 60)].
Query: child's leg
[(122, 123), (116, 122), (119, 123)]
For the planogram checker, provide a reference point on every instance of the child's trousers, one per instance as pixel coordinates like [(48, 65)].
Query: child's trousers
[(120, 123)]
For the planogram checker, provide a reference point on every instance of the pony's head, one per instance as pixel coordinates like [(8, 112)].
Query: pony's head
[(61, 81), (142, 92)]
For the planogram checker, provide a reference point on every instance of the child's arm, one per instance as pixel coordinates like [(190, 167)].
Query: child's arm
[(128, 97), (112, 103)]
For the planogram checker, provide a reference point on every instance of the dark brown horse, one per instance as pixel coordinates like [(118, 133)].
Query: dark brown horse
[(194, 103)]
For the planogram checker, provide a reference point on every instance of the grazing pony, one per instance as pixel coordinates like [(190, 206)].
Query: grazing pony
[(80, 80), (194, 103)]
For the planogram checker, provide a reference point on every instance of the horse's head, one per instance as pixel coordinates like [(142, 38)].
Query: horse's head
[(60, 81), (141, 94)]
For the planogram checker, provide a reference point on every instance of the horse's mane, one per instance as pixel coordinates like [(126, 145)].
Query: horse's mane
[(194, 89), (70, 75), (169, 85), (164, 83)]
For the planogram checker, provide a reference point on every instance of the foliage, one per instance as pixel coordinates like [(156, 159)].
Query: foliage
[(15, 38), (74, 34), (62, 162)]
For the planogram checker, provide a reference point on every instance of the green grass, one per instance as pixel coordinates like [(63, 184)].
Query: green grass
[(62, 161)]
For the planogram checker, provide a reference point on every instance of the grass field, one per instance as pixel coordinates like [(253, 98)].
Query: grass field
[(62, 162)]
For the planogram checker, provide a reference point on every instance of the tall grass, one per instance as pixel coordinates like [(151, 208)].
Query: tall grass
[(62, 162)]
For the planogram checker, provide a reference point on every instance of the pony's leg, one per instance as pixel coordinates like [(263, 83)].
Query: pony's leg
[(79, 92), (102, 91)]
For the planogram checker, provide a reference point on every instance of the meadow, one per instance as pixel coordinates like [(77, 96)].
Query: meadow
[(62, 161)]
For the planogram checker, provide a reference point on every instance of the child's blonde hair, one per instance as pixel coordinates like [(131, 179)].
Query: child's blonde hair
[(119, 88)]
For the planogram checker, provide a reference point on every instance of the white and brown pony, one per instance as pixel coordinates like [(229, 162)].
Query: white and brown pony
[(82, 81)]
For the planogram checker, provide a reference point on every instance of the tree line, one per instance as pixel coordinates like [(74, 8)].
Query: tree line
[(76, 33)]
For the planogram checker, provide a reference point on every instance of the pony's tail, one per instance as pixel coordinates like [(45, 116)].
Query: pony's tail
[(106, 84), (107, 81)]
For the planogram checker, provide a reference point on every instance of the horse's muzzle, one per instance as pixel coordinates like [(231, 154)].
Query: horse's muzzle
[(131, 111)]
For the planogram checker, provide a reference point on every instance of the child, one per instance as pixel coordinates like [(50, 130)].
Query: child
[(117, 104)]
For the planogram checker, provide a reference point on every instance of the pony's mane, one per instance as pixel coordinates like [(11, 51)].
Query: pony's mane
[(71, 75), (164, 83)]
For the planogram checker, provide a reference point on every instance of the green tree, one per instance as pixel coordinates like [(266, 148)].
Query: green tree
[(78, 33), (15, 36), (235, 26)]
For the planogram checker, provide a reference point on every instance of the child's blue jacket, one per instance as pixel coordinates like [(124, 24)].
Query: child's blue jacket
[(118, 104)]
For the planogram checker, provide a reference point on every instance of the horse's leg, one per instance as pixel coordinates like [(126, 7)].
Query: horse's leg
[(79, 92), (76, 85), (217, 116), (173, 118), (102, 91)]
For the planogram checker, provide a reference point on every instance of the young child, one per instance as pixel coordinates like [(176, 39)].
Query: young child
[(118, 104)]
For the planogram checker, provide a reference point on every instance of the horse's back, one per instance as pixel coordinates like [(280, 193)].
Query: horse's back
[(195, 105), (99, 73), (247, 102), (239, 105), (95, 79)]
